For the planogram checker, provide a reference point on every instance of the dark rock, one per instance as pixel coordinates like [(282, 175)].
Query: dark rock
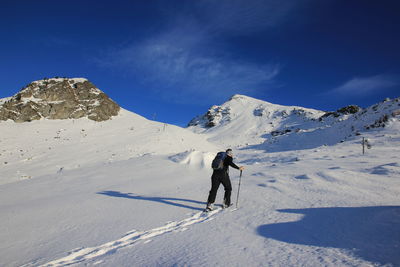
[(282, 132), (352, 109), (381, 122), (214, 116)]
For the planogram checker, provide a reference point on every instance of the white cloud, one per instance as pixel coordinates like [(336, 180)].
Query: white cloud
[(188, 60), (363, 86), (182, 65)]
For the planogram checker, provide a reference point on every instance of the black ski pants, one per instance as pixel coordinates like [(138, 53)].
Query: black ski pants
[(218, 178)]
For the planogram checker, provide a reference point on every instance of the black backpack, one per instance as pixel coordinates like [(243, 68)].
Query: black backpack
[(218, 162)]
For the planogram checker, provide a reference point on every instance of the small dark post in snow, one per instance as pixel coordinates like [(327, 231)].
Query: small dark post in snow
[(365, 143)]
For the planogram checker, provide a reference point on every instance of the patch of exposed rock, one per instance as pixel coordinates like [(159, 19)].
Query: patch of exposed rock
[(59, 98), (352, 109), (213, 117)]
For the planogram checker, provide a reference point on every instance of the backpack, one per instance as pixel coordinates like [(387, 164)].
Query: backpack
[(218, 162)]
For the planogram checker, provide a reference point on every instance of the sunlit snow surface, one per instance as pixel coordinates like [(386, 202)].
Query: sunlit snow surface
[(130, 192)]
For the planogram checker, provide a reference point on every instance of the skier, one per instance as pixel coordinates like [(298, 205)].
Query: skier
[(221, 176)]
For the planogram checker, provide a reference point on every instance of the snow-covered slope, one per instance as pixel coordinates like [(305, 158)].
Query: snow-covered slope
[(29, 150), (245, 120), (130, 192), (330, 206), (333, 128)]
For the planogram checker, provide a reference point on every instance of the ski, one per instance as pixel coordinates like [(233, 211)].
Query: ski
[(220, 207), (216, 207)]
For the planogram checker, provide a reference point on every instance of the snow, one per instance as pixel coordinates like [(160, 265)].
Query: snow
[(26, 100), (73, 80), (45, 146), (3, 100), (245, 121), (243, 118), (79, 80), (130, 192), (193, 158)]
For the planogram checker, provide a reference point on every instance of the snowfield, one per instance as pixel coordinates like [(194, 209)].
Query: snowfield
[(130, 192), (43, 147)]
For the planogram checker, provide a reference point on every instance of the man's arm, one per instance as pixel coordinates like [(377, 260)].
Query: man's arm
[(230, 163)]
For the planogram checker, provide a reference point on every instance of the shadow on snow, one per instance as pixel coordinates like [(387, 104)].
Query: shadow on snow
[(164, 200), (372, 233)]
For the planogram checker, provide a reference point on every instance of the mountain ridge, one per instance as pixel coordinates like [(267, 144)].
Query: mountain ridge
[(210, 119), (245, 121), (96, 193)]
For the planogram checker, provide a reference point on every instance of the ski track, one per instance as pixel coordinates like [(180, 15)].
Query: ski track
[(84, 254)]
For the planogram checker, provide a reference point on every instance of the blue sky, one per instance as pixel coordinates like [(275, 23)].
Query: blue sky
[(171, 60)]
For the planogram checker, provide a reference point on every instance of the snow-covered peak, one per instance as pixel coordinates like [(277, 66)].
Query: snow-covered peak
[(252, 108), (247, 99), (244, 119)]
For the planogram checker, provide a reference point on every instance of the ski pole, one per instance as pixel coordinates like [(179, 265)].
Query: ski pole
[(237, 198)]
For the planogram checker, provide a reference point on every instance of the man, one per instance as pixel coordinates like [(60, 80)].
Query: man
[(222, 177)]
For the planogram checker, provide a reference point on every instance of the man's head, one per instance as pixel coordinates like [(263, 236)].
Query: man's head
[(229, 152)]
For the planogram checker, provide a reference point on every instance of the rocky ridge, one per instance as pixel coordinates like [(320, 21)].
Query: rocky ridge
[(58, 98), (245, 121)]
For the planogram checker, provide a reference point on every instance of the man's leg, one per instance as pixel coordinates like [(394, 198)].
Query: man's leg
[(226, 182), (215, 181)]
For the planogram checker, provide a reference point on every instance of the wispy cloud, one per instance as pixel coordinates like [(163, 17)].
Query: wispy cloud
[(365, 86), (183, 66), (189, 61)]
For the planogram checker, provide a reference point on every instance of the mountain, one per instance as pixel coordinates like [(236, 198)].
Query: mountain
[(244, 120), (130, 191), (64, 124), (58, 98), (347, 123), (248, 122)]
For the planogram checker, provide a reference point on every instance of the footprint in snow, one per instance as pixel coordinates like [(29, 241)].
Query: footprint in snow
[(131, 238), (259, 174), (302, 177), (334, 168)]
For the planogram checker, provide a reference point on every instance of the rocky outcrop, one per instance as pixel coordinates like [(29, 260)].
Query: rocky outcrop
[(213, 117), (352, 109), (59, 98)]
